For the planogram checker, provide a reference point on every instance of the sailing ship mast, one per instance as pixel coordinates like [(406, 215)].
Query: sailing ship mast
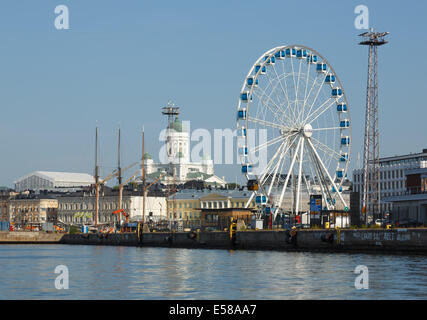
[(96, 178), (143, 177)]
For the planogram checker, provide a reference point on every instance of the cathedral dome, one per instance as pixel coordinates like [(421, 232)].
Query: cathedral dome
[(177, 125)]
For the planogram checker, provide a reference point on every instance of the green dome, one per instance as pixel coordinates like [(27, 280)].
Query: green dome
[(147, 156), (177, 125)]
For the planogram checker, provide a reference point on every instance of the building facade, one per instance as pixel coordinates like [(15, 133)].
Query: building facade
[(80, 209), (392, 176), (412, 204), (31, 211), (5, 195), (186, 205)]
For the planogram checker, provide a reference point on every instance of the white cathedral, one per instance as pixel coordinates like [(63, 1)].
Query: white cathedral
[(176, 166)]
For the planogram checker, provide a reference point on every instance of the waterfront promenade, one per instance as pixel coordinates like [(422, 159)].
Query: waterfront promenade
[(400, 240)]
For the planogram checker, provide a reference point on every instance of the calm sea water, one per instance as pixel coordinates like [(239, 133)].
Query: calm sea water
[(98, 272)]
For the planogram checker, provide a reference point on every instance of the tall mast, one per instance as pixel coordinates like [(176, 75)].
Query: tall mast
[(143, 177), (119, 178), (96, 177), (119, 169)]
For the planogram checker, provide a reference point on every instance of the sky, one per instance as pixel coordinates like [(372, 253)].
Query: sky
[(121, 61)]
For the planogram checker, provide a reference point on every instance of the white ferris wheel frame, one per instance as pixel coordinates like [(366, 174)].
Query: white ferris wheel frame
[(301, 140)]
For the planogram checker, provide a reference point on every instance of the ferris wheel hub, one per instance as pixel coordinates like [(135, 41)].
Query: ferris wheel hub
[(307, 130)]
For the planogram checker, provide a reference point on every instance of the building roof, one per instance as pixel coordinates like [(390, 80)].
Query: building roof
[(405, 156), (196, 194), (61, 177)]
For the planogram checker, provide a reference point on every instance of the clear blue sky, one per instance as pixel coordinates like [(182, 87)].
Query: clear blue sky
[(121, 61)]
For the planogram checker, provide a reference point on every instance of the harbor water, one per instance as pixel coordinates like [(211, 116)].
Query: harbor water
[(112, 272)]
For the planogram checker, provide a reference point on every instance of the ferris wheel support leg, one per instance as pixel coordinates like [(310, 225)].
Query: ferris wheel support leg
[(299, 176), (275, 171), (289, 174), (269, 165), (327, 173), (320, 174), (250, 199)]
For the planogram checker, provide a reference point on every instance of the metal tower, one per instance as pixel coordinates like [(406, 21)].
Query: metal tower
[(371, 202)]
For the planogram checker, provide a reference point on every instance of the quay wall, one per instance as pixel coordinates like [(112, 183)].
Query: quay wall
[(345, 240), (29, 237)]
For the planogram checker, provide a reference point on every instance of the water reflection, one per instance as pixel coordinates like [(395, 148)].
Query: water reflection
[(27, 272)]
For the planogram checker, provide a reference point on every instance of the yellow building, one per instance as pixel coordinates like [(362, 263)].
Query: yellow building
[(186, 205), (32, 210)]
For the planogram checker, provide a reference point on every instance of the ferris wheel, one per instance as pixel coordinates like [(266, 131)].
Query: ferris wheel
[(294, 99)]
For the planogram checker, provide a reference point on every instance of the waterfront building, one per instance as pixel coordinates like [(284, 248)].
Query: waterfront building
[(32, 210), (220, 218), (176, 166), (411, 204), (185, 206), (392, 176), (78, 208), (53, 181), (5, 195)]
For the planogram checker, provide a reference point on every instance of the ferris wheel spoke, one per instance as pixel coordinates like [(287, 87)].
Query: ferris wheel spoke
[(281, 101), (320, 110), (266, 144), (273, 86), (324, 129), (266, 123), (305, 90), (297, 90), (293, 78), (313, 85), (326, 171), (289, 107), (329, 151), (317, 95), (280, 83), (283, 89), (275, 113)]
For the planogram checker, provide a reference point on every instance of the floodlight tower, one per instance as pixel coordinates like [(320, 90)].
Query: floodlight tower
[(371, 202)]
